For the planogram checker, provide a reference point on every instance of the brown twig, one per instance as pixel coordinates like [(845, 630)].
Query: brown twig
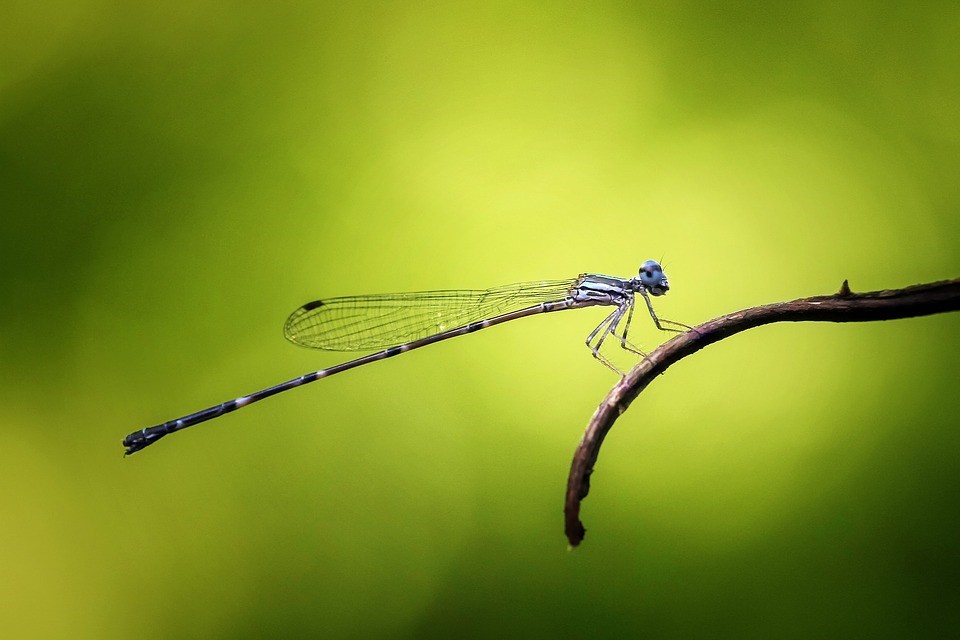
[(844, 306)]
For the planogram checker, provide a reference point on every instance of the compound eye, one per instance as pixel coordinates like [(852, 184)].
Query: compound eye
[(650, 268)]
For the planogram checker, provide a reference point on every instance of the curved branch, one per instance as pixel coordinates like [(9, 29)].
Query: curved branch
[(844, 306)]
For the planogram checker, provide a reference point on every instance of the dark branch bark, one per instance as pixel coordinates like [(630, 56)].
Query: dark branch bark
[(844, 306)]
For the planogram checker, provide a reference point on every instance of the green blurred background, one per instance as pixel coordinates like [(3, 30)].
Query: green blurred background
[(176, 178)]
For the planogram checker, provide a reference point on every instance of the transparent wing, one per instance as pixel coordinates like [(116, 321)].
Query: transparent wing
[(357, 323)]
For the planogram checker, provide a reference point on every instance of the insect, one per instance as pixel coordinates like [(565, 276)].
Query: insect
[(400, 322)]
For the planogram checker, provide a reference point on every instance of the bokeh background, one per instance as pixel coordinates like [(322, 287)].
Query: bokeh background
[(175, 178)]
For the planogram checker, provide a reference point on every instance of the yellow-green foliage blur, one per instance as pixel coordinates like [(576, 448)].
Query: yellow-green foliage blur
[(176, 178)]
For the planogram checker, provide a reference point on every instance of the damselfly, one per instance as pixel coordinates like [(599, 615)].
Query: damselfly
[(401, 322)]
